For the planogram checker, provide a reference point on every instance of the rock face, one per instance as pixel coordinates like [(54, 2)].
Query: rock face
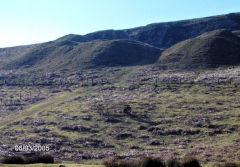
[(211, 49)]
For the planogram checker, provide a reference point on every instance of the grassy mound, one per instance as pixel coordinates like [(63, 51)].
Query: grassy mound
[(209, 50)]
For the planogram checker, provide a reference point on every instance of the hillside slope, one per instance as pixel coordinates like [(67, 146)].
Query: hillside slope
[(211, 49), (68, 54), (84, 51), (126, 113), (12, 53)]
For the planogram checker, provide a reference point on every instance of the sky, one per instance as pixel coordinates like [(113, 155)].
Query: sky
[(33, 21)]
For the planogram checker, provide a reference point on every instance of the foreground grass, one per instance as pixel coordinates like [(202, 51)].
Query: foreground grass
[(49, 165), (168, 106)]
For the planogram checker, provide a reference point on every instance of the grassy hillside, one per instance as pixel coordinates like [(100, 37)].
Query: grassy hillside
[(10, 54), (127, 113), (211, 49), (72, 55)]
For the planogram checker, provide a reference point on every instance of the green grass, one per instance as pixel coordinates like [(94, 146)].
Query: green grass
[(49, 165), (177, 103)]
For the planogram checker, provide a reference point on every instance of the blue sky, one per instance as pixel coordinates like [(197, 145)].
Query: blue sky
[(32, 21)]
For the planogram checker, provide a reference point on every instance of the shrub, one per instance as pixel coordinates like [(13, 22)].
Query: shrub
[(61, 166), (191, 162), (13, 160), (41, 159), (128, 163), (113, 162), (173, 163), (151, 162), (28, 160)]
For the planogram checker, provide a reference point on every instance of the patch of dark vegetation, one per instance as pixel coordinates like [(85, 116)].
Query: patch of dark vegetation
[(17, 159), (157, 162), (40, 159), (173, 163), (39, 130), (114, 162), (152, 162), (62, 166), (13, 160), (190, 162), (77, 128), (172, 131), (112, 120), (123, 135)]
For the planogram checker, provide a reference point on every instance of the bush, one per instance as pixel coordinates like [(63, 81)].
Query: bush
[(113, 162), (173, 163), (128, 163), (40, 159), (151, 162), (28, 160), (191, 162), (13, 160)]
